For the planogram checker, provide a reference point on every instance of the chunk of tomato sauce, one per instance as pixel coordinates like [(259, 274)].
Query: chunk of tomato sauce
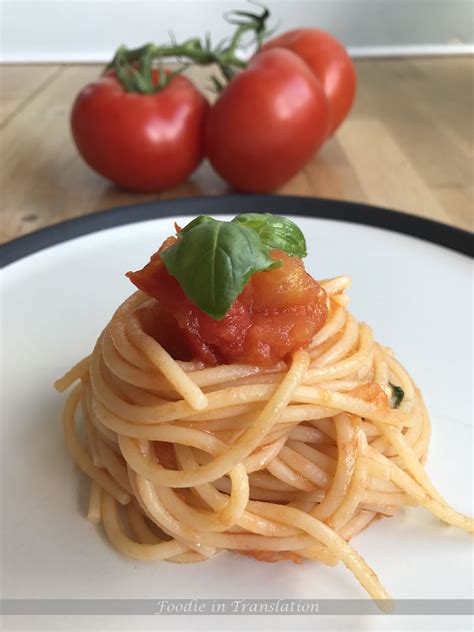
[(277, 312)]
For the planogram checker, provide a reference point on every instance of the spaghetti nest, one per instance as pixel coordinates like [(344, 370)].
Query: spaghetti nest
[(282, 463)]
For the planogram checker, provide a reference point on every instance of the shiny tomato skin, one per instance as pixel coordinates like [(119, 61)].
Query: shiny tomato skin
[(267, 122), (329, 61), (142, 142)]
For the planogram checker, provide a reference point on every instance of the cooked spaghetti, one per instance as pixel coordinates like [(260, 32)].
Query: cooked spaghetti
[(287, 461)]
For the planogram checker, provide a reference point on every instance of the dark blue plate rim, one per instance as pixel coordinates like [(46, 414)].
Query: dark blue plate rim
[(428, 230)]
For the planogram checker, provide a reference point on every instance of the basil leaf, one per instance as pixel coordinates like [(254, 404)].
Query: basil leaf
[(201, 219), (214, 260), (275, 232), (397, 395)]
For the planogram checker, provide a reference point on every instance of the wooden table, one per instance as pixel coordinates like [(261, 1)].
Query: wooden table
[(407, 145)]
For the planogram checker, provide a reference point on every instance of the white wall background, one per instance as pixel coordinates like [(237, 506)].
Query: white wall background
[(90, 30)]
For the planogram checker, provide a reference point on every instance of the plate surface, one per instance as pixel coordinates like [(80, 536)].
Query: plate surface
[(414, 294)]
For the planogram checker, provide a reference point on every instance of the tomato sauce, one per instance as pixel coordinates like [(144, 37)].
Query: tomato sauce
[(277, 312)]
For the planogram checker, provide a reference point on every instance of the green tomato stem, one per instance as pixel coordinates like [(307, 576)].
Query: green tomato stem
[(133, 66)]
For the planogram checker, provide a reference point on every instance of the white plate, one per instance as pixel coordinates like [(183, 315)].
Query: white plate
[(417, 298)]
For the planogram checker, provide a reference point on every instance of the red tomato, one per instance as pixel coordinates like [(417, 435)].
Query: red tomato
[(329, 61), (267, 122), (142, 142)]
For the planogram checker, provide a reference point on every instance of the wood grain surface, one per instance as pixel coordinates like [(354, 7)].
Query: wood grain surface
[(408, 144)]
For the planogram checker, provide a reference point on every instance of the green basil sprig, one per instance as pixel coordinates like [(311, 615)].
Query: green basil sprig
[(397, 395), (200, 219), (213, 260), (276, 232)]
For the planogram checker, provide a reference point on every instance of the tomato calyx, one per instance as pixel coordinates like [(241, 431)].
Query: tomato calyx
[(134, 68), (143, 77)]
